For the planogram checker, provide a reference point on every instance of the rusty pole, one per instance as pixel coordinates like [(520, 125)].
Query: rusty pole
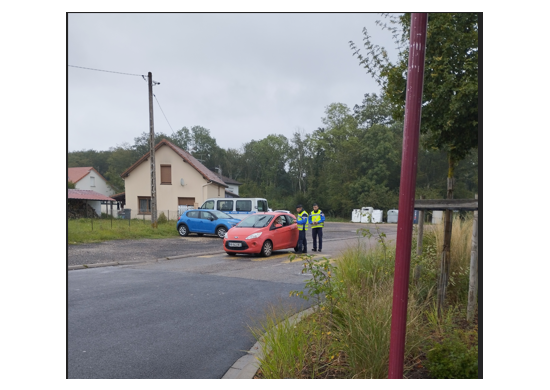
[(411, 132)]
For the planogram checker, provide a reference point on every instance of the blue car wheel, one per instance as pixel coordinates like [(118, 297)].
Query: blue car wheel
[(220, 231), (183, 230)]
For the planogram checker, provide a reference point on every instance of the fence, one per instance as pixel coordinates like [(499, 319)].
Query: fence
[(127, 214)]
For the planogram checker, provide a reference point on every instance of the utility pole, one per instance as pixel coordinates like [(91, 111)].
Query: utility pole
[(152, 154)]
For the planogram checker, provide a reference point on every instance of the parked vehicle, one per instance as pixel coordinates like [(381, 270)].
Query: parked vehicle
[(205, 222), (282, 211), (262, 233), (236, 207)]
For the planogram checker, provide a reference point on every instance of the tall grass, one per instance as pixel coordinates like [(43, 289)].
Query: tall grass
[(430, 260), (290, 348), (365, 306), (349, 339), (85, 230)]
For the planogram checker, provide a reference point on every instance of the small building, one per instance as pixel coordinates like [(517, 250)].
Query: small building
[(85, 203)]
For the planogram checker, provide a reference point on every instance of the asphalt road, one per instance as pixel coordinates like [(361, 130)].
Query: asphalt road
[(181, 318)]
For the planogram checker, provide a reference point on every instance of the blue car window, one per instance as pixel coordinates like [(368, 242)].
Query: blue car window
[(220, 214), (192, 214), (205, 215)]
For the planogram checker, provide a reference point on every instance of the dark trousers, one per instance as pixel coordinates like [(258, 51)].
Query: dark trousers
[(317, 232), (302, 241)]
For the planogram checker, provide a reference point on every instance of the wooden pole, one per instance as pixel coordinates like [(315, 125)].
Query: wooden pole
[(445, 253), (472, 292), (152, 154), (420, 231), (418, 268)]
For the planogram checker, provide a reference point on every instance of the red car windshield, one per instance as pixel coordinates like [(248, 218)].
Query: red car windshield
[(255, 221)]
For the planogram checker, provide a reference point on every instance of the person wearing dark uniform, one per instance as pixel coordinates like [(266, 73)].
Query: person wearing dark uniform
[(317, 222), (302, 221)]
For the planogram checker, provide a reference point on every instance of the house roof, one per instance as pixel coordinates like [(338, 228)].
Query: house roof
[(87, 195), (227, 179), (231, 194), (78, 173), (119, 197), (206, 173)]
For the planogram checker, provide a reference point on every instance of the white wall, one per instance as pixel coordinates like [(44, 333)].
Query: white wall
[(233, 188), (101, 186)]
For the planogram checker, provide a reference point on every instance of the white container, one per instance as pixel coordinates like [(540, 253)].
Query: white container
[(356, 215), (366, 214), (377, 216), (392, 216), (437, 216)]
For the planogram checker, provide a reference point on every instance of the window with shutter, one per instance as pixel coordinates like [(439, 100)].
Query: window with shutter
[(165, 174)]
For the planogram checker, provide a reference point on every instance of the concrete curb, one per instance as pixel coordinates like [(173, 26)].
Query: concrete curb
[(247, 366)]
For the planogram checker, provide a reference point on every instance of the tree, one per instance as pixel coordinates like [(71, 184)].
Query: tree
[(120, 159), (231, 163), (450, 96), (300, 159), (340, 142), (204, 147), (374, 110), (265, 162)]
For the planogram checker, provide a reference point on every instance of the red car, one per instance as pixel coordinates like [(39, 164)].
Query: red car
[(262, 233)]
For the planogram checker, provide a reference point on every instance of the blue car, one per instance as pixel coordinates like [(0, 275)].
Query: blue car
[(205, 222)]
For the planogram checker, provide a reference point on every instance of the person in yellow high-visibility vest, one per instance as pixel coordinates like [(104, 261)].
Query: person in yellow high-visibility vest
[(317, 222), (302, 221)]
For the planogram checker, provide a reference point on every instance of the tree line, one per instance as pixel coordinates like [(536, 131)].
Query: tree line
[(354, 160)]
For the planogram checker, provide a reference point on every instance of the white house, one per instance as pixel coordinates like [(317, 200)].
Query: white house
[(88, 178)]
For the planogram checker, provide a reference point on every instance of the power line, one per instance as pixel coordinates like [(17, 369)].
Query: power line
[(163, 112), (108, 71), (131, 74)]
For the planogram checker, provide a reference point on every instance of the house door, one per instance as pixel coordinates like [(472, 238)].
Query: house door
[(185, 204)]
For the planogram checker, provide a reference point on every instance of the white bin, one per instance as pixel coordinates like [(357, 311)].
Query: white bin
[(392, 216), (377, 216), (437, 216), (366, 214), (356, 215)]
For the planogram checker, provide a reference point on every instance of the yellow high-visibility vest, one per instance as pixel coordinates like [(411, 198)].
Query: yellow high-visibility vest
[(316, 217), (301, 217)]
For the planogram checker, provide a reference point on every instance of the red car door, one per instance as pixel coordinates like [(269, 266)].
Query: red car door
[(292, 231)]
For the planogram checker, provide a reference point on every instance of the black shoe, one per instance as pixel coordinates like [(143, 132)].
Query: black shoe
[(319, 250), (298, 253), (314, 250), (305, 252)]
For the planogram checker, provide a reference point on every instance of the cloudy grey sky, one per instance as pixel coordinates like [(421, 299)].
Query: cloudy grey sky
[(242, 76)]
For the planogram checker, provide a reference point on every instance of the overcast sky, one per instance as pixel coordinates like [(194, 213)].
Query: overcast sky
[(242, 76)]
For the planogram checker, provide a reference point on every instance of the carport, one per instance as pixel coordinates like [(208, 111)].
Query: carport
[(86, 203)]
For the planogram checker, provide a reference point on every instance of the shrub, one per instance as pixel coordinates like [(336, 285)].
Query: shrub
[(453, 358), (162, 218)]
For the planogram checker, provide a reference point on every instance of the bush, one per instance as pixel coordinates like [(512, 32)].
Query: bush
[(453, 358), (162, 218)]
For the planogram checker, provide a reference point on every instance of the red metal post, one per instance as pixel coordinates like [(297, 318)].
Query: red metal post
[(413, 109)]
